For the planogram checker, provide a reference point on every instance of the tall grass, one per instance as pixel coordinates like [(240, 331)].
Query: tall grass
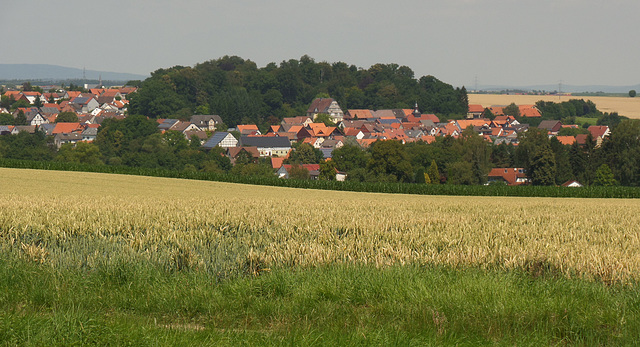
[(328, 305)]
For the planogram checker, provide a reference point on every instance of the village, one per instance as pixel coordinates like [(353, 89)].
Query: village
[(325, 126)]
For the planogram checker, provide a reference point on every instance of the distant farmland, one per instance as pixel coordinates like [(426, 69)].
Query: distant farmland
[(625, 106)]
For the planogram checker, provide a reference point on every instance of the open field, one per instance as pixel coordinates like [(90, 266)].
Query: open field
[(73, 220), (103, 259), (625, 106)]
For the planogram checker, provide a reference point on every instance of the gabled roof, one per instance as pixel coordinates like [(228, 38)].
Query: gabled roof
[(550, 125), (320, 105), (295, 120), (203, 119), (510, 175), (566, 140), (253, 151), (360, 114), (65, 127), (276, 162), (166, 124), (476, 108), (265, 142), (309, 167), (393, 113), (247, 128), (529, 111), (215, 139), (598, 130)]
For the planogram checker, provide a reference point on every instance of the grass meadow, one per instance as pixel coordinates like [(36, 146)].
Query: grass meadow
[(88, 258)]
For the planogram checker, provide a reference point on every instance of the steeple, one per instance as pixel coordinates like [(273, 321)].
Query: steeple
[(416, 112)]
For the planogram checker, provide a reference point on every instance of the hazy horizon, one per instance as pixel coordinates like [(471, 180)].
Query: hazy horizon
[(493, 42)]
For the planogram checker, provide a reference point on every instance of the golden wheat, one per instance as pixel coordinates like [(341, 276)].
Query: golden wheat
[(84, 219)]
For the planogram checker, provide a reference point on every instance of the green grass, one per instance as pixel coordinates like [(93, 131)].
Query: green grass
[(138, 304), (591, 121)]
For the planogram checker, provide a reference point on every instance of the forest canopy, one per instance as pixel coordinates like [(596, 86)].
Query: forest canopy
[(240, 92)]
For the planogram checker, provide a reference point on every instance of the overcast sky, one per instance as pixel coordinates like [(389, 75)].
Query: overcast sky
[(508, 42)]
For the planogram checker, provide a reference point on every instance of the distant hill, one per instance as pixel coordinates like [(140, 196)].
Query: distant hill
[(55, 72), (565, 88)]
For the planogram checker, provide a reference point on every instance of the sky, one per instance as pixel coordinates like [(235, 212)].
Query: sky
[(461, 42)]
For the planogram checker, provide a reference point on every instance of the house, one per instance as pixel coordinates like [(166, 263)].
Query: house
[(529, 111), (572, 184), (89, 134), (222, 139), (37, 119), (166, 124), (248, 129), (302, 120), (566, 140), (511, 176), (64, 138), (314, 170), (67, 128), (206, 122), (31, 129), (552, 126), (475, 111), (84, 104), (250, 152), (599, 131), (201, 135), (358, 114), (268, 146), (6, 129), (33, 96), (326, 106)]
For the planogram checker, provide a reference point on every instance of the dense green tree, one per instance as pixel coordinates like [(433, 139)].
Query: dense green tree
[(421, 176), (327, 170), (604, 177), (6, 119), (477, 151), (622, 152), (530, 142), (82, 152), (502, 155), (27, 146), (433, 173), (461, 172), (542, 169), (20, 119), (298, 172), (66, 117), (564, 170), (632, 93), (349, 157), (610, 119), (578, 161), (512, 110), (305, 153), (388, 158)]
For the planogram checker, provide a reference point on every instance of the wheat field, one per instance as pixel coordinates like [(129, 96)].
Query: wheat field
[(81, 220), (625, 106)]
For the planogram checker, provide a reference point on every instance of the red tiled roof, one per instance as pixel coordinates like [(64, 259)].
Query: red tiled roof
[(566, 140), (508, 174), (476, 108), (64, 127)]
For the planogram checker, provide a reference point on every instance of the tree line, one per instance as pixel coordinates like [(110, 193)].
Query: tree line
[(136, 142), (241, 93)]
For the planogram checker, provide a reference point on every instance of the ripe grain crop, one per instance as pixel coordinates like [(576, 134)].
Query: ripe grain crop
[(86, 220), (625, 106)]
